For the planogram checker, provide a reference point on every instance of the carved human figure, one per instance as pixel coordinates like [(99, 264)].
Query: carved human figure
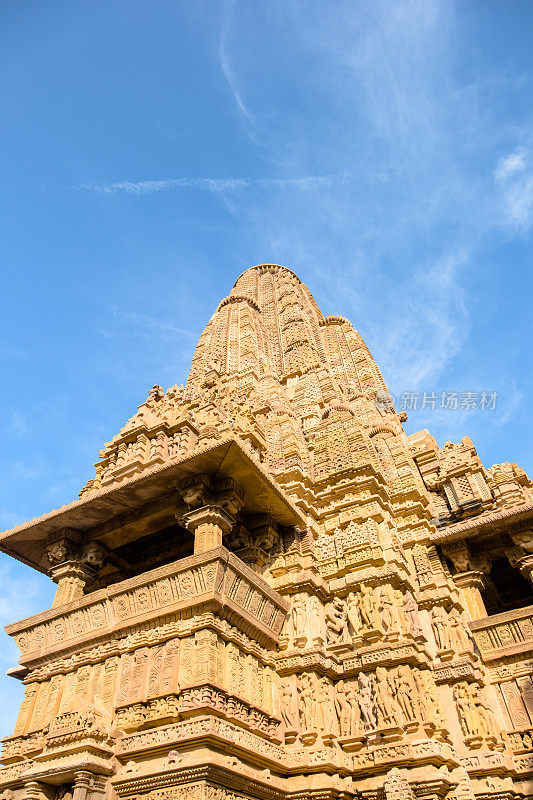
[(487, 721), (352, 695), (300, 618), (387, 611), (326, 709), (316, 619), (441, 628), (343, 707), (387, 710), (366, 700), (423, 702), (468, 716), (430, 693), (410, 608), (336, 621), (405, 693), (367, 607), (354, 614), (459, 634), (306, 692), (289, 704)]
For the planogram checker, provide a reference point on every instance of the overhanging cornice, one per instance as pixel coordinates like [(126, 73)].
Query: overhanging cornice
[(225, 459)]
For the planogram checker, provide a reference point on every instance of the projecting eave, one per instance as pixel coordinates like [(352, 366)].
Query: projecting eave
[(225, 459), (484, 525)]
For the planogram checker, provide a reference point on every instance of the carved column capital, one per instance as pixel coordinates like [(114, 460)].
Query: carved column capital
[(229, 495), (71, 565), (33, 790), (208, 524), (470, 585), (196, 491), (82, 784)]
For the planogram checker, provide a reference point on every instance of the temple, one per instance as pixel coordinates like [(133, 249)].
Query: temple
[(268, 590)]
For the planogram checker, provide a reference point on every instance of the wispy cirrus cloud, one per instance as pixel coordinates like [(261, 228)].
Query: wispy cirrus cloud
[(514, 176), (395, 246), (215, 185), (227, 70)]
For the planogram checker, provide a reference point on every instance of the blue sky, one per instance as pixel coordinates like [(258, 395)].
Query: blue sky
[(152, 151)]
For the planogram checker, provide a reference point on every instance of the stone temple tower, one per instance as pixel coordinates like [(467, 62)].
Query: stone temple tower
[(268, 590)]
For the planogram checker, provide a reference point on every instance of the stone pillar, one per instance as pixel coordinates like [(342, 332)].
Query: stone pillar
[(208, 524), (71, 577), (470, 585), (34, 790), (72, 566), (82, 784)]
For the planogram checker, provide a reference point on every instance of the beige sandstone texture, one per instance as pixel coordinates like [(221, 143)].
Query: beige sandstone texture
[(268, 590)]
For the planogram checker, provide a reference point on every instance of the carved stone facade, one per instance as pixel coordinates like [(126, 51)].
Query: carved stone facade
[(269, 590)]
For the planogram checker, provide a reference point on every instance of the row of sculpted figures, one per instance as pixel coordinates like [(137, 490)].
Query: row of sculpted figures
[(402, 698)]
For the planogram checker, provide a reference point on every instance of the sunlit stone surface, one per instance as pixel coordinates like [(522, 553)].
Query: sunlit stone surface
[(268, 590)]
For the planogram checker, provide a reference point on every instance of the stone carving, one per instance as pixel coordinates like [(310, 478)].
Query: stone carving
[(387, 707), (366, 700), (410, 608), (289, 704), (441, 628), (396, 786), (476, 717), (277, 550), (336, 621)]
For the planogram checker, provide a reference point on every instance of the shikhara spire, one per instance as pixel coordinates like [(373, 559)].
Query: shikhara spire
[(269, 590)]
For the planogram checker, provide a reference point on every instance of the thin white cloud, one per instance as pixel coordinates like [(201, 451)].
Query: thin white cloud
[(393, 247), (509, 166), (215, 185), (514, 176), (226, 68)]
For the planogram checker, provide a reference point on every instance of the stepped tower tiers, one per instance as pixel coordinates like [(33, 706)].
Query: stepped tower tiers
[(268, 590)]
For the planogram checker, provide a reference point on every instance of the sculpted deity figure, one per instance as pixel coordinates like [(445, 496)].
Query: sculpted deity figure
[(316, 619), (354, 614), (366, 700), (299, 613), (441, 628), (410, 608), (289, 704), (458, 631), (425, 710), (405, 693), (306, 692), (487, 721), (336, 621), (387, 709), (468, 716), (352, 695), (387, 611), (325, 707), (367, 607), (431, 695), (343, 707)]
